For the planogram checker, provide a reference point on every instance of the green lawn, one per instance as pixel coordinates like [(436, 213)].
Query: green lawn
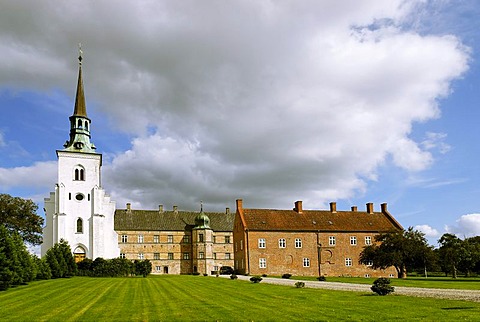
[(194, 298)]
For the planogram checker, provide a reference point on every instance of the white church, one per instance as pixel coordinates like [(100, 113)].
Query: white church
[(79, 211)]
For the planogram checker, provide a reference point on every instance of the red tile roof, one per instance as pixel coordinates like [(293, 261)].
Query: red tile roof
[(318, 220)]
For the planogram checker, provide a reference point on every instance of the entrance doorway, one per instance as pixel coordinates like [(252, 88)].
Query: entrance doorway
[(79, 254)]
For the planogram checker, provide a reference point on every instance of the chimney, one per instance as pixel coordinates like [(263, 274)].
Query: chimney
[(298, 206), (333, 207), (160, 209), (128, 207), (354, 208), (239, 204), (227, 210), (370, 208), (384, 207), (175, 209)]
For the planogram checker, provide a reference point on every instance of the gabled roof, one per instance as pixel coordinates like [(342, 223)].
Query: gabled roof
[(318, 220), (169, 220)]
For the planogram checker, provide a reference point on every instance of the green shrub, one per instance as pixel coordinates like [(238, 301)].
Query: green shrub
[(255, 279), (286, 275), (299, 284), (322, 278), (382, 286), (264, 275), (233, 277)]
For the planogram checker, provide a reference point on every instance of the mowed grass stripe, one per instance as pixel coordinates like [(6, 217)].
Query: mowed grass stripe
[(198, 298)]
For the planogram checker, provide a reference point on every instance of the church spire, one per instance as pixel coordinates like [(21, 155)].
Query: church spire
[(79, 122), (80, 107)]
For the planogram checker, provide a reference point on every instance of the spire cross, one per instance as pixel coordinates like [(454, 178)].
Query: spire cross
[(80, 53)]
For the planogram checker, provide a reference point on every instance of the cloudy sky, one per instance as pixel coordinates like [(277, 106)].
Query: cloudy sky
[(268, 101)]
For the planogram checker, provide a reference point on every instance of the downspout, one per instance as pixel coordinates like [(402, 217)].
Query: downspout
[(247, 246), (319, 251)]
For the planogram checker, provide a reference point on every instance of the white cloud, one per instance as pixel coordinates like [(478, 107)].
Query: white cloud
[(2, 140), (269, 101), (465, 226), (41, 174), (429, 231), (436, 141)]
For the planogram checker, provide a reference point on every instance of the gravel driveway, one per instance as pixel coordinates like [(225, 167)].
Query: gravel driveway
[(451, 294)]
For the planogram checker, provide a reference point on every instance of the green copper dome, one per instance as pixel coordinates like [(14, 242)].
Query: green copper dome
[(201, 220)]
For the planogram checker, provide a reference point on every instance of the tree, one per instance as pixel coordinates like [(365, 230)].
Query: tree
[(451, 252), (403, 249), (17, 214), (143, 267), (16, 265), (60, 260)]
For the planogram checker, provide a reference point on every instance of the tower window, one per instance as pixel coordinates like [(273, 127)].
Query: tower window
[(79, 173), (79, 225), (79, 196), (86, 125), (79, 124)]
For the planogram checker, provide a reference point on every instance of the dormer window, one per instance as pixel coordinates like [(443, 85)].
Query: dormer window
[(79, 173)]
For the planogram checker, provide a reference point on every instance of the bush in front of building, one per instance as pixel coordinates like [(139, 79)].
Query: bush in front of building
[(299, 284), (233, 276), (286, 275), (382, 286), (321, 278), (255, 279)]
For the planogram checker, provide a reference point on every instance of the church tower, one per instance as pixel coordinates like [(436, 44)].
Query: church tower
[(79, 211)]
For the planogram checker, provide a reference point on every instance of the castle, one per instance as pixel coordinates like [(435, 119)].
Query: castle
[(252, 241)]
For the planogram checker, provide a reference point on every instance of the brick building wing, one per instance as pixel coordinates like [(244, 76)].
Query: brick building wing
[(308, 242)]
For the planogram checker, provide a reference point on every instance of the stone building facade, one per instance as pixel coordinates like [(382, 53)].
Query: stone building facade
[(176, 242), (308, 242)]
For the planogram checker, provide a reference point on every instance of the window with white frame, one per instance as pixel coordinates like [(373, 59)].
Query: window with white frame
[(201, 255), (241, 244), (298, 243), (158, 268), (227, 239), (262, 243), (369, 263), (186, 255), (282, 243), (262, 263), (306, 262), (186, 239), (348, 262), (156, 239), (332, 241), (170, 255), (227, 256), (200, 238), (368, 240), (124, 238), (170, 239), (141, 256), (156, 256), (140, 239), (353, 240), (122, 255)]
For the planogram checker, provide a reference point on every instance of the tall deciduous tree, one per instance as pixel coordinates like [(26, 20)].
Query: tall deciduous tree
[(452, 252), (19, 215), (404, 250)]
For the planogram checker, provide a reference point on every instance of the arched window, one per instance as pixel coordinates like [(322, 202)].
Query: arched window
[(79, 225), (86, 125), (79, 124), (79, 173)]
